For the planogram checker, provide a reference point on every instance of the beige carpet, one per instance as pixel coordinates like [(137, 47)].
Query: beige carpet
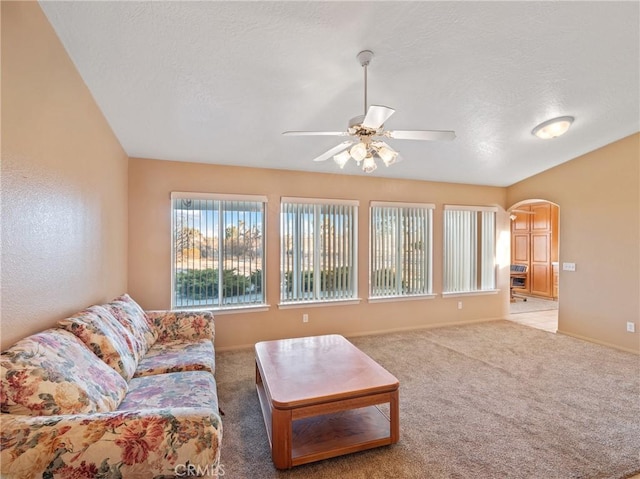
[(492, 400)]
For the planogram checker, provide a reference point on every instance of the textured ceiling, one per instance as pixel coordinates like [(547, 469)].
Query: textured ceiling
[(218, 82)]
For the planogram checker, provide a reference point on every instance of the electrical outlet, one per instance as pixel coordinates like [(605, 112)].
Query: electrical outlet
[(305, 318), (459, 304), (631, 327)]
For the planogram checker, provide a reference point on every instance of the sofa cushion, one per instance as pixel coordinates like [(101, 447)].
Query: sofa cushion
[(174, 356), (140, 444), (133, 317), (182, 325), (106, 337), (195, 389), (53, 372)]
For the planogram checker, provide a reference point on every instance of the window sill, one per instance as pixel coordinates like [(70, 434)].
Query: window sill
[(319, 304), (483, 292), (389, 299), (235, 310)]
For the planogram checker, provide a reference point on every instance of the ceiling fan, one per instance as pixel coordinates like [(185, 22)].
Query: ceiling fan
[(525, 212), (513, 216), (368, 133)]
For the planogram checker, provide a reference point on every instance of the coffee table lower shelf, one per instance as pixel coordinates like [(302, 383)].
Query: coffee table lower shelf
[(351, 426)]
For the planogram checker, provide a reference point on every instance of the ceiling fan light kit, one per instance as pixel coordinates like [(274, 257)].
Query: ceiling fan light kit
[(369, 164), (388, 155), (358, 152), (368, 129), (553, 128), (342, 158)]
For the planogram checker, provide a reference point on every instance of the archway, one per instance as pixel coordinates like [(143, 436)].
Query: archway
[(535, 249)]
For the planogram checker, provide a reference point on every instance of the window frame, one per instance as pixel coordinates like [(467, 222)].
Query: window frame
[(400, 258), (220, 308), (285, 303), (481, 247)]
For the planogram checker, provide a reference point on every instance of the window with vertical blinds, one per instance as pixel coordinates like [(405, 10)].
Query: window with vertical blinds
[(400, 250), (218, 250), (469, 249), (318, 250)]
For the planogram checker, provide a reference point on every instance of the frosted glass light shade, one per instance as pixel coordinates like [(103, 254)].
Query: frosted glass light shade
[(342, 158), (388, 155), (369, 164), (358, 152), (553, 128)]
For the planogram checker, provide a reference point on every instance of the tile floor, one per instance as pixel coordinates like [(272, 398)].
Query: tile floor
[(546, 320)]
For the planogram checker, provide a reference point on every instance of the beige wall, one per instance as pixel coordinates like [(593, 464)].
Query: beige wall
[(64, 183), (599, 199), (64, 217), (150, 184)]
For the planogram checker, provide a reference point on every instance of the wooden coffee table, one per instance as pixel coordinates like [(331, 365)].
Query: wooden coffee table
[(320, 398)]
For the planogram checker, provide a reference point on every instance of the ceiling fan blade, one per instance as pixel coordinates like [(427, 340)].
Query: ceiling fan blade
[(429, 135), (525, 212), (376, 116), (316, 133), (334, 151)]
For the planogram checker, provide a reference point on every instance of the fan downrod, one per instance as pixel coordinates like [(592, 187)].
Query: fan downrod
[(364, 57)]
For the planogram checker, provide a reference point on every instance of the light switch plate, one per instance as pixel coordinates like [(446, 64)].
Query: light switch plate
[(568, 266)]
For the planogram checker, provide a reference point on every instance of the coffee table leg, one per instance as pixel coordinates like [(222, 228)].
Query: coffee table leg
[(394, 419), (281, 441)]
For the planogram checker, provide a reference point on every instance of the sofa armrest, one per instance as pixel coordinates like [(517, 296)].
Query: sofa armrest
[(112, 444), (182, 325)]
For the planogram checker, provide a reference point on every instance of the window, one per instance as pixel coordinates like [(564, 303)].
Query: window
[(218, 250), (401, 249), (318, 254), (469, 249)]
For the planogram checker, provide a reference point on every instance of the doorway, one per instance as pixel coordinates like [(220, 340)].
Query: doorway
[(534, 256)]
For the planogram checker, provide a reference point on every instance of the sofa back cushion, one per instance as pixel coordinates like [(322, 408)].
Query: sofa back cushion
[(133, 317), (53, 372), (106, 337)]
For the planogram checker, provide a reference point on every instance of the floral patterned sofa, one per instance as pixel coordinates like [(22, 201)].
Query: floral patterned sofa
[(112, 392)]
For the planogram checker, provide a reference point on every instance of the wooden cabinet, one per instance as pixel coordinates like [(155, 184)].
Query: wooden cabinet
[(534, 242)]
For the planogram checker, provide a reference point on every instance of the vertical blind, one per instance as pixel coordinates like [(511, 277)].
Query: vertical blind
[(401, 249), (318, 254), (218, 250), (469, 249)]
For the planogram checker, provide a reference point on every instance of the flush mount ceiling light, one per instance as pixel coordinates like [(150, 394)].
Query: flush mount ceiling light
[(368, 132), (553, 128)]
